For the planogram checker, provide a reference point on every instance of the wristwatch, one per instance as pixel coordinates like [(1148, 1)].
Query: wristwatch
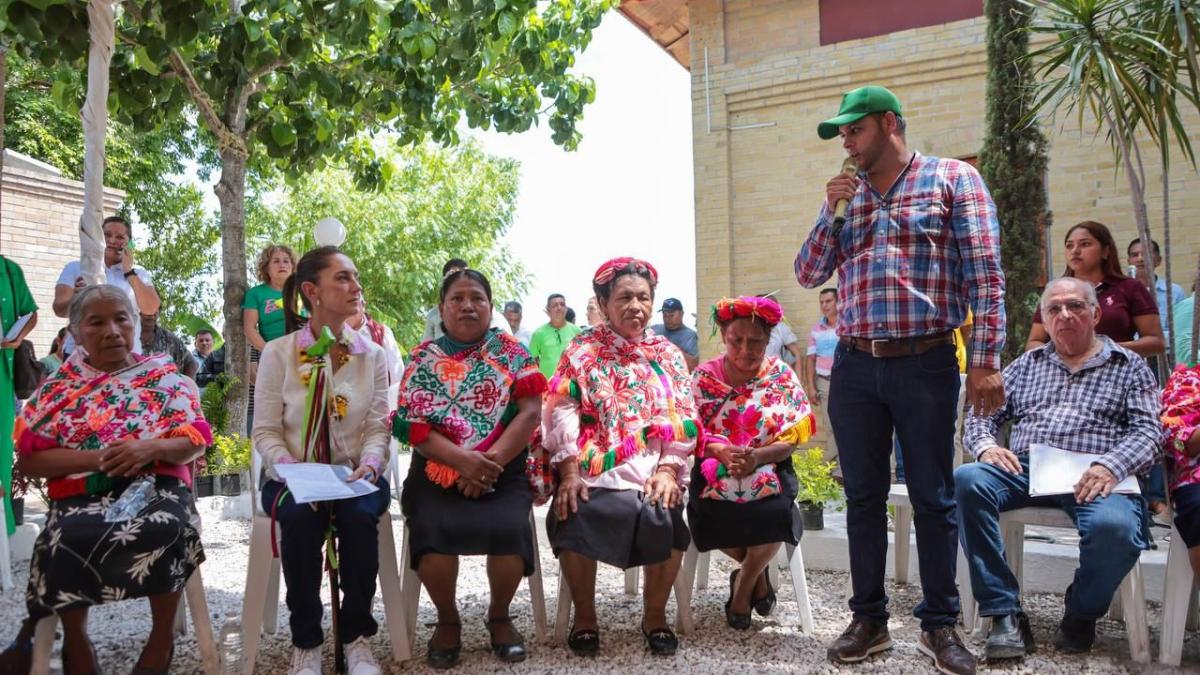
[(130, 273)]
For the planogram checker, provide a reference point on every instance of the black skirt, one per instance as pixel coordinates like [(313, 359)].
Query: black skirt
[(619, 528), (441, 520), (721, 524), (80, 560)]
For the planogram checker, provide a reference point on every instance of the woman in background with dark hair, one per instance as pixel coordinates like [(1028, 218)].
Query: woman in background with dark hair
[(1127, 312), (469, 403), (322, 397), (619, 424)]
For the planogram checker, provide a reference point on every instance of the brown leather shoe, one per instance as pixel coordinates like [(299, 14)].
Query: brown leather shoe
[(947, 651), (861, 639)]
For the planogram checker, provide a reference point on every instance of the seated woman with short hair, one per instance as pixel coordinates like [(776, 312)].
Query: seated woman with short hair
[(102, 421), (619, 424), (469, 403), (743, 491)]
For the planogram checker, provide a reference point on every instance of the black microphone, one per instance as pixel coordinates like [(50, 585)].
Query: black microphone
[(849, 168)]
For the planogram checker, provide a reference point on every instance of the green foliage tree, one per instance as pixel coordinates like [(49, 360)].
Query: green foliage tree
[(437, 203), (1013, 164), (1132, 66), (42, 120), (294, 83)]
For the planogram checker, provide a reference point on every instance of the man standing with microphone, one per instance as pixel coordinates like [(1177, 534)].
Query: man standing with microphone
[(919, 245)]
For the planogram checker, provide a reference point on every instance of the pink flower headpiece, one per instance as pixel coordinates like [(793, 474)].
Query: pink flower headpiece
[(765, 309), (608, 271)]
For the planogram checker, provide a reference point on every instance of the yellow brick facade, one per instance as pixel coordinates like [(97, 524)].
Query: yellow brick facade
[(760, 169)]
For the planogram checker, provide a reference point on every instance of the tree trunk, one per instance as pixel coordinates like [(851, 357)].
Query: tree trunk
[(231, 192), (3, 101), (101, 32), (1166, 247)]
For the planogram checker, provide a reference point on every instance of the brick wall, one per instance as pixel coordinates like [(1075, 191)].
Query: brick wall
[(760, 169), (39, 230)]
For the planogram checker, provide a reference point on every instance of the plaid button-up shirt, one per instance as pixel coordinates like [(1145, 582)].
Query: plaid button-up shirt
[(1108, 407), (910, 262)]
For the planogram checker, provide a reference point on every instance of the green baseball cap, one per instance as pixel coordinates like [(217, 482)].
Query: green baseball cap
[(857, 104)]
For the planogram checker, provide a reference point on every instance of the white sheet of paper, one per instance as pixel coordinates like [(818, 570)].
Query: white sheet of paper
[(16, 328), (312, 482), (1053, 471)]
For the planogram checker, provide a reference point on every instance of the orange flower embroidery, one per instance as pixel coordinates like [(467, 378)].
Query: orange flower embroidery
[(450, 373)]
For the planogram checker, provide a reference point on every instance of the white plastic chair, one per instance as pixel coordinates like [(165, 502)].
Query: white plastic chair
[(260, 603), (695, 573), (1130, 601), (1180, 611), (683, 609), (6, 578), (411, 587), (193, 598)]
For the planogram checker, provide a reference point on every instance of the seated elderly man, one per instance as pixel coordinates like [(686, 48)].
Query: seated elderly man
[(1080, 392)]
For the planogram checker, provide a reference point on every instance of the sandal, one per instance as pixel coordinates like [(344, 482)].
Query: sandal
[(766, 604), (513, 652), (584, 642), (442, 659), (661, 641)]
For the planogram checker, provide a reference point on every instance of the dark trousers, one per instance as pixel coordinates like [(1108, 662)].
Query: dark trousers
[(914, 397), (302, 536)]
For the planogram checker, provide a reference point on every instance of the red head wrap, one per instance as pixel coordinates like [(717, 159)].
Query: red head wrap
[(765, 309), (608, 271)]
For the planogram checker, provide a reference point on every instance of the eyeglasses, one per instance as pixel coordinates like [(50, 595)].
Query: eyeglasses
[(1075, 307)]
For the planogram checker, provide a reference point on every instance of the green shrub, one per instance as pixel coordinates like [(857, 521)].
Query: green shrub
[(817, 485), (229, 454)]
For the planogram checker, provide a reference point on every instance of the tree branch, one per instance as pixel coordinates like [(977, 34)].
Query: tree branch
[(226, 139)]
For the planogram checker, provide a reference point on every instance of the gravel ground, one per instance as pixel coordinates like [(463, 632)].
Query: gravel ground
[(770, 646)]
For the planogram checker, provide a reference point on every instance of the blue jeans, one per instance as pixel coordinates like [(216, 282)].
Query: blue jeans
[(302, 534), (1154, 488), (913, 397), (1110, 530)]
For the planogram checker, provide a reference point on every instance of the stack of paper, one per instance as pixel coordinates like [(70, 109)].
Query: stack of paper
[(1053, 471), (311, 482)]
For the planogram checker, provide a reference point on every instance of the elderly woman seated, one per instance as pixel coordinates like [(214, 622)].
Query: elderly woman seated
[(112, 432), (1181, 419), (619, 423), (1082, 393), (743, 491)]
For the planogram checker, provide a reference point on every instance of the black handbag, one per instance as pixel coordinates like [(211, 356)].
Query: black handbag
[(27, 371)]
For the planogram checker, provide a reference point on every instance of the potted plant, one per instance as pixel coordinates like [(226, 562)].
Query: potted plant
[(232, 456), (817, 486)]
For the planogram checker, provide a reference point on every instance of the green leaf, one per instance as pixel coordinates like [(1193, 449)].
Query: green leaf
[(507, 23), (143, 61), (428, 46), (283, 134)]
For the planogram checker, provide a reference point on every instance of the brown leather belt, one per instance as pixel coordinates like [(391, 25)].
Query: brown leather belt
[(890, 349)]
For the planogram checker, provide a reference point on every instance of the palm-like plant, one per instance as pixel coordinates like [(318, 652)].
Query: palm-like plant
[(1131, 64)]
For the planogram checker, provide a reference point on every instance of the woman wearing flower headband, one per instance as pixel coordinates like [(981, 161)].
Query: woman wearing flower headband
[(469, 403), (619, 424), (322, 397), (743, 491)]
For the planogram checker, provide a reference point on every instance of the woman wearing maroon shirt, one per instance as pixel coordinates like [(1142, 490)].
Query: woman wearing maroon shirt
[(1128, 315)]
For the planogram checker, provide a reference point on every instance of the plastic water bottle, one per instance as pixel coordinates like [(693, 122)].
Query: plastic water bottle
[(132, 501)]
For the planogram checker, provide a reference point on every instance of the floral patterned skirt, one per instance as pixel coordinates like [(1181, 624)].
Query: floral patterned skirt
[(80, 560)]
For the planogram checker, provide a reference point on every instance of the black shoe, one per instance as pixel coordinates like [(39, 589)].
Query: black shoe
[(862, 638), (585, 642), (442, 659), (139, 669), (513, 652), (735, 621), (1010, 637), (1075, 635), (661, 641), (766, 604)]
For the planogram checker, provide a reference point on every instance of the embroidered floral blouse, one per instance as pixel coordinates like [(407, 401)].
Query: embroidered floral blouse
[(1180, 418), (358, 401), (86, 409), (621, 408)]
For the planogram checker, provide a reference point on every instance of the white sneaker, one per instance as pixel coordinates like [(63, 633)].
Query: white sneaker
[(359, 660), (305, 661)]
